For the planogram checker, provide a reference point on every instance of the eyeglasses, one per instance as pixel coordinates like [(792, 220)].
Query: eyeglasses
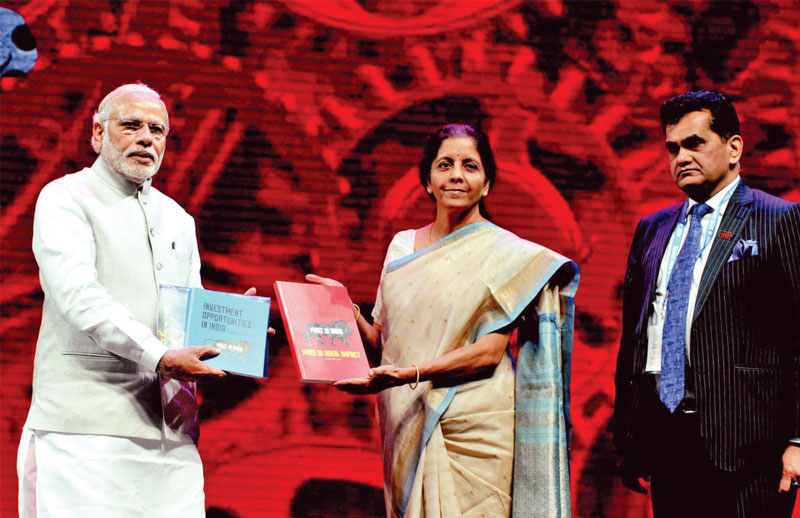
[(132, 127)]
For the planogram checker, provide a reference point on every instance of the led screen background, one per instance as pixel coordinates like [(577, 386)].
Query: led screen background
[(295, 131)]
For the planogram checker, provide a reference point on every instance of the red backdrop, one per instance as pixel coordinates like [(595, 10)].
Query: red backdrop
[(296, 127)]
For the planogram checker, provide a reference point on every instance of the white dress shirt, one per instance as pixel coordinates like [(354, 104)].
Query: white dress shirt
[(709, 226)]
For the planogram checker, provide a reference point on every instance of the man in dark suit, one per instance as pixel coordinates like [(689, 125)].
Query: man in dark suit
[(708, 372)]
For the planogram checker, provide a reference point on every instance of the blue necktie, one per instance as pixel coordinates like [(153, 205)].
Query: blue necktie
[(673, 346)]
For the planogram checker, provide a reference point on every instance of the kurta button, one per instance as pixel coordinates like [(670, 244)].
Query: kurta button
[(152, 231), (144, 201), (158, 266)]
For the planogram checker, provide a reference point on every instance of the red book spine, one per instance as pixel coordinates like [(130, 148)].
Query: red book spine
[(287, 325)]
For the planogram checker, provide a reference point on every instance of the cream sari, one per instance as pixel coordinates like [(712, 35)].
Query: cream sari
[(450, 451)]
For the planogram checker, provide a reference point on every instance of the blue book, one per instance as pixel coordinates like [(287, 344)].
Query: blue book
[(236, 324)]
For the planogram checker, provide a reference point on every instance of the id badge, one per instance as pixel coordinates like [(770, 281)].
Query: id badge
[(654, 334)]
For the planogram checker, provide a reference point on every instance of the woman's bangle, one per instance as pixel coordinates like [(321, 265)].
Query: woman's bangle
[(356, 310), (412, 386)]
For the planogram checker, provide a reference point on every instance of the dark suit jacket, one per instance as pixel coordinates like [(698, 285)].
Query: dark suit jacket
[(745, 336)]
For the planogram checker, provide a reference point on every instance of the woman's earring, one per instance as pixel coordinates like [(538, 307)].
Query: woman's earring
[(430, 191)]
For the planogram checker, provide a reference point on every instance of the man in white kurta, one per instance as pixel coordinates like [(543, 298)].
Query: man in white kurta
[(96, 442)]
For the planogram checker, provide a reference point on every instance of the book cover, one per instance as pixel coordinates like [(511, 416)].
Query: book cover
[(236, 324), (322, 332)]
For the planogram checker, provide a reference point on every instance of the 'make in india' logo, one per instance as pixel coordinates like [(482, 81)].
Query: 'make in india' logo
[(339, 330)]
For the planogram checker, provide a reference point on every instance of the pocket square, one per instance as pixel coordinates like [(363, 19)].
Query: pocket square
[(744, 248)]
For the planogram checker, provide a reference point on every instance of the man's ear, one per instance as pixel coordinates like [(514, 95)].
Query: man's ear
[(736, 146), (98, 130)]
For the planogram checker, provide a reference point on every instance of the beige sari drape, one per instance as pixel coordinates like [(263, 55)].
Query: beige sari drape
[(449, 451)]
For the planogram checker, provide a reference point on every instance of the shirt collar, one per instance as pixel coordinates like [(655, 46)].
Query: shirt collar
[(715, 202), (117, 181)]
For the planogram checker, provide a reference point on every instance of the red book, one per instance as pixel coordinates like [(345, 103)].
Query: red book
[(322, 332)]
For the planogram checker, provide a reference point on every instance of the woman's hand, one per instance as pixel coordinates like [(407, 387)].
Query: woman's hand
[(252, 291), (379, 378), (325, 281), (370, 335)]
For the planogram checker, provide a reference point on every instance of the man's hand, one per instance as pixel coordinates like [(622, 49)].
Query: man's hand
[(186, 365), (791, 467), (631, 478)]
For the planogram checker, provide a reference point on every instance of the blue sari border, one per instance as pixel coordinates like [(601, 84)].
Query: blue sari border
[(431, 420), (485, 329), (468, 229)]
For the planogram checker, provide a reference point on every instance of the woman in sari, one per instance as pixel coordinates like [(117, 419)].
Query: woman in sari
[(462, 429)]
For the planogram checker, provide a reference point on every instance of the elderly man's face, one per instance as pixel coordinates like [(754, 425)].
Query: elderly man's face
[(134, 141)]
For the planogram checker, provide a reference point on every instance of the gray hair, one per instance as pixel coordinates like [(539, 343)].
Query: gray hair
[(106, 108)]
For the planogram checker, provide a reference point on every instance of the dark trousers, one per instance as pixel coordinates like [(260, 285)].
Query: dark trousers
[(685, 484)]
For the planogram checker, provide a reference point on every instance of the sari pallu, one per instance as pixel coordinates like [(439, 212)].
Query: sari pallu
[(449, 450)]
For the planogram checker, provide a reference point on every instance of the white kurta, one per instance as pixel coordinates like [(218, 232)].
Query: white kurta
[(95, 443)]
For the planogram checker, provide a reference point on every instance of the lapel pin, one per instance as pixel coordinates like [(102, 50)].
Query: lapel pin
[(724, 235)]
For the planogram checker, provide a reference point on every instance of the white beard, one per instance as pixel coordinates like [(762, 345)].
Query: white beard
[(116, 161)]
